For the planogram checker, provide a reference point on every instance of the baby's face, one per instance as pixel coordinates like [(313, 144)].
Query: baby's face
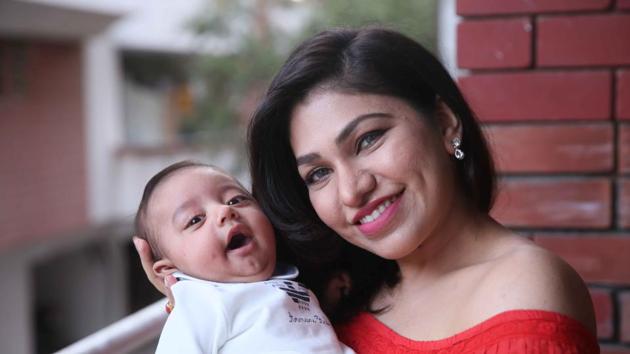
[(208, 226)]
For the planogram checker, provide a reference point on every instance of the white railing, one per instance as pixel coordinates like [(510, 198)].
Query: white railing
[(125, 335)]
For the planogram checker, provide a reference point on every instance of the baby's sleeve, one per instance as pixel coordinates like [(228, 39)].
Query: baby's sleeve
[(198, 324)]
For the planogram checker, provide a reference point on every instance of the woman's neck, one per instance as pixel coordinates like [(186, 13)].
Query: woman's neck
[(458, 241)]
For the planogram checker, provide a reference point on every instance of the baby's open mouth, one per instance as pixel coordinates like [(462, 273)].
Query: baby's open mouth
[(237, 241)]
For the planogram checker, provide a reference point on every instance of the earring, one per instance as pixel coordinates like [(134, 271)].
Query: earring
[(456, 143)]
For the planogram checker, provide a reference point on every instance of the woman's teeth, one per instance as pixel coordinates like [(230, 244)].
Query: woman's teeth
[(377, 212)]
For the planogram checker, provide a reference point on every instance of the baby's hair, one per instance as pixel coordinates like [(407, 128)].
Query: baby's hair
[(143, 229)]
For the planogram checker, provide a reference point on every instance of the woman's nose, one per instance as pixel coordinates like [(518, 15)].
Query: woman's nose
[(226, 213), (355, 187)]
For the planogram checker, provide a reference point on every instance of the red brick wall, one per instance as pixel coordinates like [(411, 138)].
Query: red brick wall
[(42, 150), (550, 80)]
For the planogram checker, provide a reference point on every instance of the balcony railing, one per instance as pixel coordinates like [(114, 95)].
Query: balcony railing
[(125, 335)]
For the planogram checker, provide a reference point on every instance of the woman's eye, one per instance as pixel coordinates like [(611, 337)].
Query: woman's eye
[(237, 200), (368, 139), (194, 220), (316, 175)]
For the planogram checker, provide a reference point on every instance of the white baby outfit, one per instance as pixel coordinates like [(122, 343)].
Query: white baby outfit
[(277, 315)]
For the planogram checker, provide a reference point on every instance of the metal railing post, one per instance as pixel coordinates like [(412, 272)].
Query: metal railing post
[(125, 335)]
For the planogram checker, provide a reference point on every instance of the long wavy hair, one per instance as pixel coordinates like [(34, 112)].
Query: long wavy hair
[(371, 61)]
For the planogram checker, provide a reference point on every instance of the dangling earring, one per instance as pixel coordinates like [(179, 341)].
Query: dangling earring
[(456, 143)]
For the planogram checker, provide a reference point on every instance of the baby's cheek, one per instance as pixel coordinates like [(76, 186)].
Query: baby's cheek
[(209, 257)]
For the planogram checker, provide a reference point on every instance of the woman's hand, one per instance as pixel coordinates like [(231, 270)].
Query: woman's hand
[(162, 284)]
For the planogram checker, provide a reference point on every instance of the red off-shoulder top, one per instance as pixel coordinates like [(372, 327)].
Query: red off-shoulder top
[(513, 332)]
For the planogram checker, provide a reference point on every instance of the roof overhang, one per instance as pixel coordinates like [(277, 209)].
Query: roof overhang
[(50, 20)]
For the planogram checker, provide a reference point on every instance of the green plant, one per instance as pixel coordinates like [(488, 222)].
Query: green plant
[(260, 42)]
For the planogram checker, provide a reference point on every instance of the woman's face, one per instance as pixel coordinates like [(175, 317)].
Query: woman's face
[(377, 172)]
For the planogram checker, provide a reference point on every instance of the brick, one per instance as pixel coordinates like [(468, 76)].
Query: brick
[(496, 7), (622, 109), (43, 172), (623, 206), (623, 4), (624, 316), (494, 44), (610, 349), (604, 316), (597, 258), (583, 40), (554, 203), (539, 95), (623, 146), (552, 148)]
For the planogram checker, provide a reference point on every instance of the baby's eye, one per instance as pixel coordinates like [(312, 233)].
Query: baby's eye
[(194, 220), (316, 175), (368, 139), (237, 200)]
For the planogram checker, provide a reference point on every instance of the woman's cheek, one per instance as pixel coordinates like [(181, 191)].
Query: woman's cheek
[(323, 203)]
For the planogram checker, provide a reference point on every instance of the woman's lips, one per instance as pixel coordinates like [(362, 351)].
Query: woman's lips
[(377, 215)]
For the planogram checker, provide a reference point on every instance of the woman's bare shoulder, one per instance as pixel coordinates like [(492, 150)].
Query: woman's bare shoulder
[(526, 276)]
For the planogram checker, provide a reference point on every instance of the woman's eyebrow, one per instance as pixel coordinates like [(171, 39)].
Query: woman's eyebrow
[(343, 135), (347, 130), (308, 158)]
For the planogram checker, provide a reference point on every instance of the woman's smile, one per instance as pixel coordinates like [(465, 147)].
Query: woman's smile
[(373, 218)]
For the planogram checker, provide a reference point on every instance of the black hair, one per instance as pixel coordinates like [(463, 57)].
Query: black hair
[(367, 60)]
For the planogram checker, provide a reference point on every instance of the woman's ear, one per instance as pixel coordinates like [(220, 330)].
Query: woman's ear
[(450, 126), (163, 267)]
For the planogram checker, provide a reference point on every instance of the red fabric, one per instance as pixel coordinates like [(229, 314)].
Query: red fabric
[(514, 332)]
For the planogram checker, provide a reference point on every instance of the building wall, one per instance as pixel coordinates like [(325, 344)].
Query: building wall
[(550, 80), (16, 323), (42, 148)]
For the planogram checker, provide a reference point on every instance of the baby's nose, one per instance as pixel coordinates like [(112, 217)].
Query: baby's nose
[(226, 213)]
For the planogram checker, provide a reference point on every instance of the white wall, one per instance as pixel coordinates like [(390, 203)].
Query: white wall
[(447, 35), (16, 327), (104, 127)]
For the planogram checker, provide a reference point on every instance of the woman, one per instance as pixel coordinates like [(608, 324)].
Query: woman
[(363, 136)]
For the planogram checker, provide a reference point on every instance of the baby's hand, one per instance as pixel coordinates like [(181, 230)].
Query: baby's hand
[(337, 288), (162, 284)]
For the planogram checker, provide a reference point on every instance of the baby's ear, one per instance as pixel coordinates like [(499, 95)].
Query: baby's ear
[(163, 267)]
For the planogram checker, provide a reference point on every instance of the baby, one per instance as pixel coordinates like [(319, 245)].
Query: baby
[(205, 227)]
